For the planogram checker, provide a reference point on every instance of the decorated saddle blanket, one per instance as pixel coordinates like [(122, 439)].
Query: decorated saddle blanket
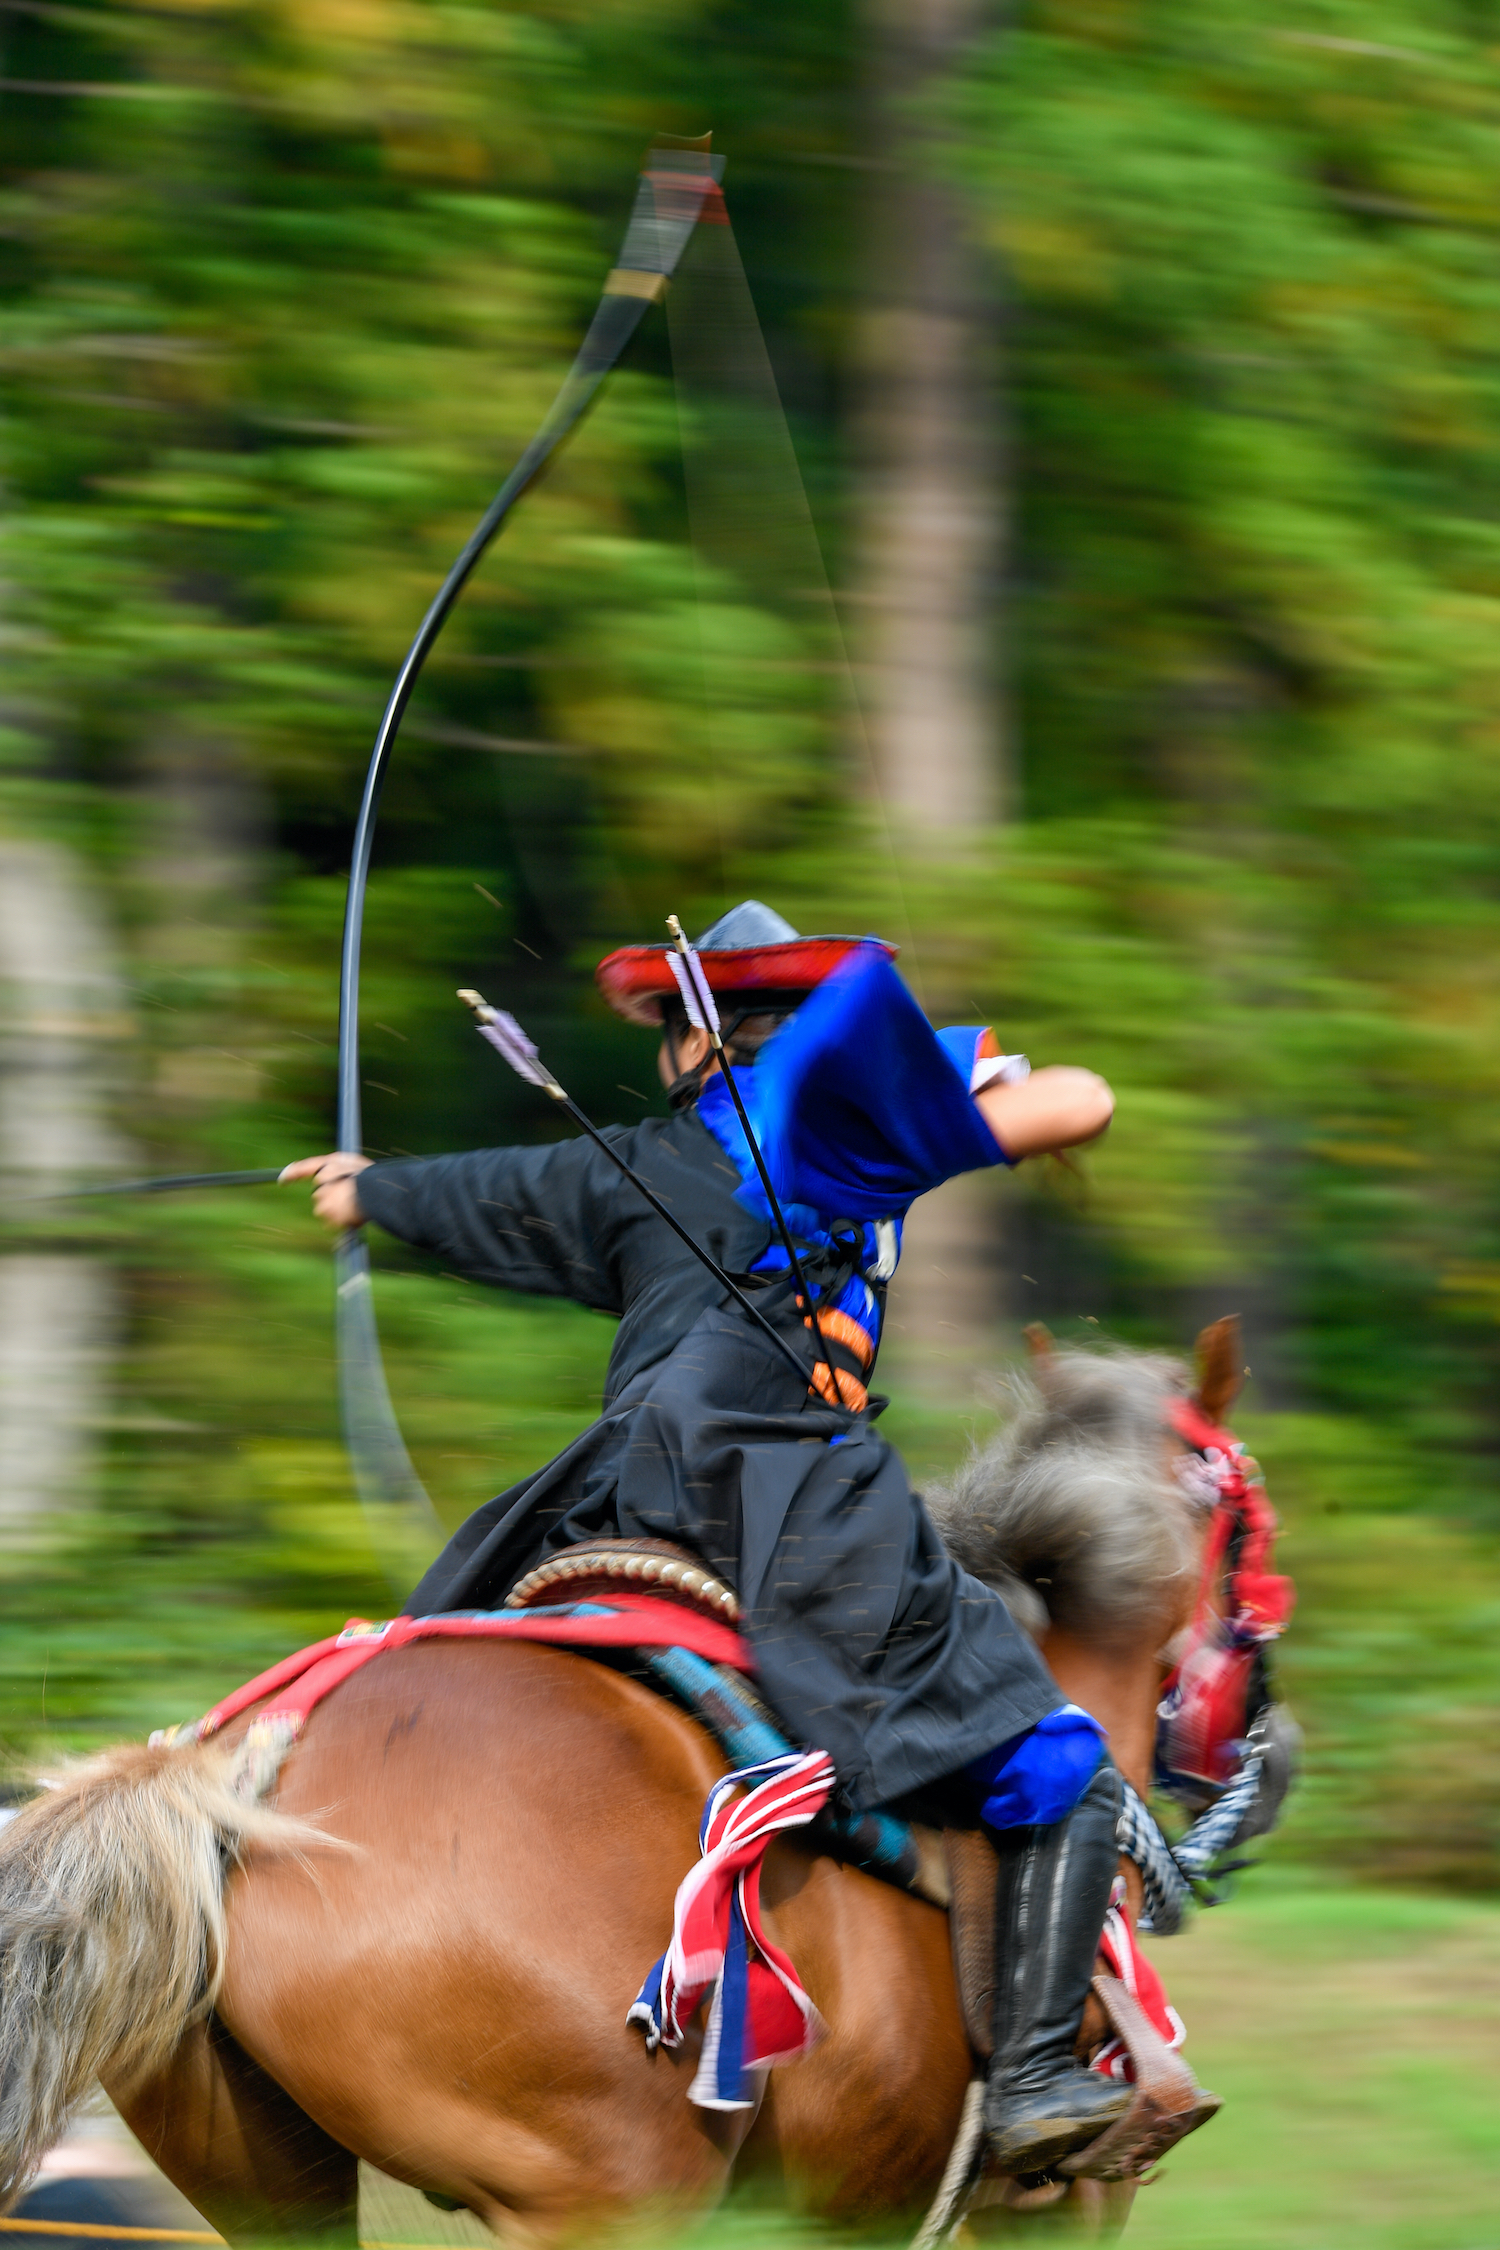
[(294, 1688), (682, 1632), (759, 2013), (619, 1597)]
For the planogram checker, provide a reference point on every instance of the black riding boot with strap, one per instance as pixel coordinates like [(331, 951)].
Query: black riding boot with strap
[(1040, 2103)]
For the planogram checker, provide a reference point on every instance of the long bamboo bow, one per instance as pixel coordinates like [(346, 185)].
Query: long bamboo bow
[(675, 185)]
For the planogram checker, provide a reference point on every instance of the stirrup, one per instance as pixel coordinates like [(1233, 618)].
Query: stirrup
[(1168, 2102)]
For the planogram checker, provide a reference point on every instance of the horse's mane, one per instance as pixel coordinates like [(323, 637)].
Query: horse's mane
[(1071, 1513)]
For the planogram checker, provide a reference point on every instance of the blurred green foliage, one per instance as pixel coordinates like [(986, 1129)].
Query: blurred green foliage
[(1256, 370), (285, 290)]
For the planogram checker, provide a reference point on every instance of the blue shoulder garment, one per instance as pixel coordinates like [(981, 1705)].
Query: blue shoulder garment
[(858, 1104)]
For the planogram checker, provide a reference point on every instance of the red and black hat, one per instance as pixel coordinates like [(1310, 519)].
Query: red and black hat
[(750, 954)]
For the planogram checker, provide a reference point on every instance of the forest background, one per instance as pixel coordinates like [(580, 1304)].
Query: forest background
[(1143, 365)]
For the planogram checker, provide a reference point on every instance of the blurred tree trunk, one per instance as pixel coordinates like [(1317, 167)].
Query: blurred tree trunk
[(933, 505), (206, 848), (61, 1018), (933, 540)]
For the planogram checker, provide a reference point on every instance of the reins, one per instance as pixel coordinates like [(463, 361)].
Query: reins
[(1175, 1876), (1237, 1550)]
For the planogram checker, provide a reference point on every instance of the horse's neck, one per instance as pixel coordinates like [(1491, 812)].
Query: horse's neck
[(1118, 1688)]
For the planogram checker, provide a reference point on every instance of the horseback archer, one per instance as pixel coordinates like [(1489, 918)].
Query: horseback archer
[(265, 2022), (871, 1642)]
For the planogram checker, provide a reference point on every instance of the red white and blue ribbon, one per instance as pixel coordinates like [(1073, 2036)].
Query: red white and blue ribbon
[(759, 2014)]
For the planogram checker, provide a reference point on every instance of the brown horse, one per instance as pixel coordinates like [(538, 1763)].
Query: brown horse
[(425, 1955)]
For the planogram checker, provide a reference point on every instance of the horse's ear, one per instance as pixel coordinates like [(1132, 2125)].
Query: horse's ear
[(1220, 1366), (1038, 1343)]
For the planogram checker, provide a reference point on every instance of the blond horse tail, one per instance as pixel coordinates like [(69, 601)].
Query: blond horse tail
[(112, 1928)]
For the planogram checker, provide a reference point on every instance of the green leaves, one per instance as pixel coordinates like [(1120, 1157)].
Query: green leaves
[(1253, 372)]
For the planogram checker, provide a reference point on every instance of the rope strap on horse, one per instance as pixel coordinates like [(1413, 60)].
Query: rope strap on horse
[(1172, 1875)]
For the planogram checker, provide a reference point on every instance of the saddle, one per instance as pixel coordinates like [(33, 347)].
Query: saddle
[(955, 1868), (645, 1566)]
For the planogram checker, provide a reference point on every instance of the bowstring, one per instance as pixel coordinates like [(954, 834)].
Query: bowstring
[(752, 528)]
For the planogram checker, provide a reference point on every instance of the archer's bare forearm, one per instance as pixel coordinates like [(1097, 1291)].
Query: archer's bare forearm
[(1059, 1107)]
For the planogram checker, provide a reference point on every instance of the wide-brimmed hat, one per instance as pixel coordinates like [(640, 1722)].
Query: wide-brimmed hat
[(749, 954)]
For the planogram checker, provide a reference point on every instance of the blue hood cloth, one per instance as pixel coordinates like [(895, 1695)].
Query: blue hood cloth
[(859, 1107)]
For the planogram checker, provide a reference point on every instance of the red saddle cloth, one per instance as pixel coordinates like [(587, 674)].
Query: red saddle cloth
[(624, 1620), (760, 2012)]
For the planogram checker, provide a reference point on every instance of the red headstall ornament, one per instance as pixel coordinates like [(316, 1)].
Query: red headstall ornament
[(1203, 1711)]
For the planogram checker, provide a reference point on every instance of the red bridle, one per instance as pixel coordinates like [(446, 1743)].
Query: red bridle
[(1202, 1715)]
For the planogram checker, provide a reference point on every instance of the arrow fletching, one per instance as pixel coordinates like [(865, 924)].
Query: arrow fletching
[(692, 983), (509, 1040)]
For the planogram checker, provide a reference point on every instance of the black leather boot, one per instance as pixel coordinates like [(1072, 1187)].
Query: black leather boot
[(1053, 1893)]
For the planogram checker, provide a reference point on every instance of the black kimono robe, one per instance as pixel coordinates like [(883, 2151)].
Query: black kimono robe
[(871, 1643)]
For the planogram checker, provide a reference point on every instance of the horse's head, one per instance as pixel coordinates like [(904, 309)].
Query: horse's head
[(1089, 1514)]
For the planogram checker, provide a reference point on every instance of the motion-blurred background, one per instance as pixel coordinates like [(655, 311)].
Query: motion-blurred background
[(1142, 361)]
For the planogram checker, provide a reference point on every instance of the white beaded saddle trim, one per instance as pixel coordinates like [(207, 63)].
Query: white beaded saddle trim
[(643, 1570)]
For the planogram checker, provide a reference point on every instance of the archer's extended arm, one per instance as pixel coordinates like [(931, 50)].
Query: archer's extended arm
[(534, 1219)]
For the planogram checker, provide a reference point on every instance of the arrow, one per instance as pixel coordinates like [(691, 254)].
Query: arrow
[(164, 1183)]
